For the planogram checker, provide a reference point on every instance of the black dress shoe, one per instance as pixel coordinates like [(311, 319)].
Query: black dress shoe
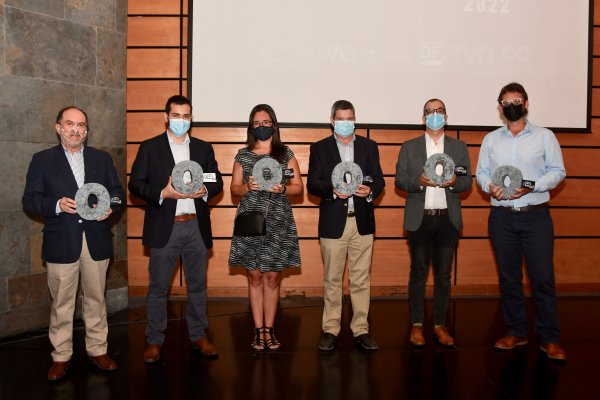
[(327, 342), (366, 342)]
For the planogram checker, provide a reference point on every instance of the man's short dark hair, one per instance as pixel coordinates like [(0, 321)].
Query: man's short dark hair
[(177, 99), (341, 105), (62, 111), (431, 101), (512, 87)]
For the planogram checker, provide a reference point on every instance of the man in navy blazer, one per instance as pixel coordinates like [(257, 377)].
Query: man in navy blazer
[(432, 218), (346, 224), (73, 245), (175, 224)]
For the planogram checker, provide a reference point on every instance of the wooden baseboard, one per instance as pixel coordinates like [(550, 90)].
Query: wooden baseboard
[(563, 289)]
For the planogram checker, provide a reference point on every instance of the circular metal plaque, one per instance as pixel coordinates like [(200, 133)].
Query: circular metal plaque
[(102, 205), (267, 172), (447, 164), (196, 174), (346, 177), (508, 178)]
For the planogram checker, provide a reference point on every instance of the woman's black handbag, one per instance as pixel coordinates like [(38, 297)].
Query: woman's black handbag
[(250, 223)]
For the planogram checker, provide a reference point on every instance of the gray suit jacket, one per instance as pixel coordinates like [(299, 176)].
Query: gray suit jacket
[(409, 169)]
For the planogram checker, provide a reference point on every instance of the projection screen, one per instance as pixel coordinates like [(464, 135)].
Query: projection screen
[(388, 57)]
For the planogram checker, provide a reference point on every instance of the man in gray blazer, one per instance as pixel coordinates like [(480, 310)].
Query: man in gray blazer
[(432, 218)]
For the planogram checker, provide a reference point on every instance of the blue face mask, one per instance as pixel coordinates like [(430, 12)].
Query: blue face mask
[(179, 126), (344, 128), (435, 121)]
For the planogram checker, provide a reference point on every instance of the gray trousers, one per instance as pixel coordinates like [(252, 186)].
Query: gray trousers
[(185, 241)]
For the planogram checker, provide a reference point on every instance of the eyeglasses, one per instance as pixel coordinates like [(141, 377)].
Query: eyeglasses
[(267, 123), (71, 124), (516, 102), (440, 111)]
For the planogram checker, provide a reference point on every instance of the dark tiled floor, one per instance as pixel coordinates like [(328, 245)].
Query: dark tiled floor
[(472, 371)]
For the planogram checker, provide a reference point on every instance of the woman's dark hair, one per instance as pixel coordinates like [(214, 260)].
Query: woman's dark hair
[(277, 147)]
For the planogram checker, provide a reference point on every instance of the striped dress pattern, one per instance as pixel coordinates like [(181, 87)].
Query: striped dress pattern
[(279, 248)]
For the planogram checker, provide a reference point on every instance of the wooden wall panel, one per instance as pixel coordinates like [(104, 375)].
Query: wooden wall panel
[(394, 136), (475, 263), (144, 125), (155, 7), (160, 31), (150, 95), (388, 156), (576, 192), (581, 162), (577, 260), (154, 75), (391, 196), (155, 63)]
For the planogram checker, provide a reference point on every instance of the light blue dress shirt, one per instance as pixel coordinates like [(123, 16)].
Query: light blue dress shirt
[(535, 151)]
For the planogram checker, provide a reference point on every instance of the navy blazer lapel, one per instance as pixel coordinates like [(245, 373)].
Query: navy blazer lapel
[(63, 164), (360, 154), (166, 152), (334, 151)]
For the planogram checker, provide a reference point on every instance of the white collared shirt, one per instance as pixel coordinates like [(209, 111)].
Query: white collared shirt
[(435, 197), (181, 152), (77, 165)]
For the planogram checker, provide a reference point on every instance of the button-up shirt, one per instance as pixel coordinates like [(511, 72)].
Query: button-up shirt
[(346, 154), (181, 152), (535, 151), (76, 163), (435, 197)]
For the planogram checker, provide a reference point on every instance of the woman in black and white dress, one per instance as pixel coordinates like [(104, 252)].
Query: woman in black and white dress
[(264, 257)]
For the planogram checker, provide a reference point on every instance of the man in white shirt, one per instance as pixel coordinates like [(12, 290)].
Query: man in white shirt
[(432, 218), (175, 224)]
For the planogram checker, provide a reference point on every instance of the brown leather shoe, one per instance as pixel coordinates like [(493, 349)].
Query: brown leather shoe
[(103, 362), (57, 370), (554, 351), (509, 342), (205, 347), (442, 336), (152, 353), (416, 336)]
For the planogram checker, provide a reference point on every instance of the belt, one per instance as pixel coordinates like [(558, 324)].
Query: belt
[(184, 217), (520, 209), (436, 213), (351, 214)]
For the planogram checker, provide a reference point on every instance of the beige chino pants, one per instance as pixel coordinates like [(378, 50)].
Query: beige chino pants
[(63, 280), (358, 249)]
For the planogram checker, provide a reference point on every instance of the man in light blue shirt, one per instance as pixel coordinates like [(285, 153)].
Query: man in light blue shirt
[(520, 224)]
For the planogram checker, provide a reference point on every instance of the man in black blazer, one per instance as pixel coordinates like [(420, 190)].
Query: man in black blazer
[(72, 245), (175, 224), (432, 218), (346, 224)]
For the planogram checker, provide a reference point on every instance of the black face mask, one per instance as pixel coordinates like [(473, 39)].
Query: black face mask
[(262, 132), (514, 112)]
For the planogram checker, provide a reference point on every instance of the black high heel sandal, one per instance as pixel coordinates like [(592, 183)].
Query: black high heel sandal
[(271, 341), (258, 343)]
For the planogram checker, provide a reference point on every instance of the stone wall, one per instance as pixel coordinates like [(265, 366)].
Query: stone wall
[(54, 53)]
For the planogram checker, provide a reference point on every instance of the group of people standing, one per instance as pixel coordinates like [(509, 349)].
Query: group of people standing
[(177, 225)]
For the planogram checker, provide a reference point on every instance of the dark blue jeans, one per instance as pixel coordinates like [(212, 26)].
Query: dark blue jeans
[(185, 241), (433, 243), (528, 234)]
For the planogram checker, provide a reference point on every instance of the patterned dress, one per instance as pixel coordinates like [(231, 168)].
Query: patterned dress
[(278, 249)]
